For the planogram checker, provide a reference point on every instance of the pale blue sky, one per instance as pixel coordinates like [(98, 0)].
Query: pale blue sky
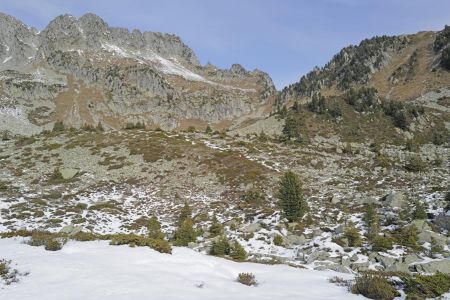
[(285, 38)]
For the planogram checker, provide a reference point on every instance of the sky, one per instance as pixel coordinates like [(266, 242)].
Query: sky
[(285, 38)]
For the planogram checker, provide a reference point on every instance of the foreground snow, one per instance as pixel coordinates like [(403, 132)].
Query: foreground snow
[(95, 270)]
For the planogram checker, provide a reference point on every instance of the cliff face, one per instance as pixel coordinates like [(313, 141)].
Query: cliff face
[(81, 71)]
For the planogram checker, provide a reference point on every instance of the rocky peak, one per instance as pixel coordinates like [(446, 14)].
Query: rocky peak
[(238, 69), (17, 43)]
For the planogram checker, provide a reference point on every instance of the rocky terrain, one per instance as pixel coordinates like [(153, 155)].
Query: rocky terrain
[(106, 130)]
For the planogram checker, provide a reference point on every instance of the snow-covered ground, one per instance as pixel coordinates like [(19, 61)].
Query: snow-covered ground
[(96, 270)]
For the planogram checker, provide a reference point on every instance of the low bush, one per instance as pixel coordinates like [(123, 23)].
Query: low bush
[(247, 279), (278, 240), (426, 286), (238, 252), (134, 240), (374, 286), (51, 241), (220, 247), (381, 243)]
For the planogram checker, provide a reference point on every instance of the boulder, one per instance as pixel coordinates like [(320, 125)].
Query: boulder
[(360, 267), (294, 240), (192, 245), (335, 200), (318, 255), (68, 173), (443, 221), (442, 266), (421, 225), (251, 228), (427, 236), (398, 267), (366, 200), (395, 200), (71, 229), (386, 261), (339, 229)]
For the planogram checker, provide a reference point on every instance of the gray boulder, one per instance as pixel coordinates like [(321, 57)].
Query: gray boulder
[(68, 173), (318, 256), (294, 240), (251, 228), (443, 221), (431, 267), (395, 200)]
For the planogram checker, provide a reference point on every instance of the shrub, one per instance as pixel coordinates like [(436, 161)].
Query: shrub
[(220, 247), (208, 130), (374, 286), (247, 279), (381, 243), (185, 233), (415, 164), (141, 241), (216, 228), (408, 237), (419, 212), (238, 252), (423, 286), (50, 241), (53, 245), (353, 236), (191, 129), (58, 126), (290, 194), (278, 240)]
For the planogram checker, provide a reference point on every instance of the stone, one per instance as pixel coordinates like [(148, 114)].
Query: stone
[(192, 245), (71, 229), (318, 255), (294, 240), (367, 200), (395, 200), (360, 267), (386, 261), (443, 221), (68, 173), (398, 267), (431, 267), (251, 228), (421, 225), (206, 234), (317, 232), (335, 200), (427, 236), (339, 229)]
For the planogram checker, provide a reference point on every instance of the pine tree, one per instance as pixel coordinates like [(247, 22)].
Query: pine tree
[(221, 247), (154, 229), (353, 236), (208, 129), (238, 252), (419, 212), (372, 222), (290, 195), (216, 228), (185, 213), (291, 128), (185, 233)]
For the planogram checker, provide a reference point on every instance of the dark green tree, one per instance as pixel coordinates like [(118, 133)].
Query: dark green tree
[(446, 58), (419, 212), (372, 221), (216, 227), (238, 252), (185, 213), (292, 128), (185, 233), (290, 194), (154, 229)]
